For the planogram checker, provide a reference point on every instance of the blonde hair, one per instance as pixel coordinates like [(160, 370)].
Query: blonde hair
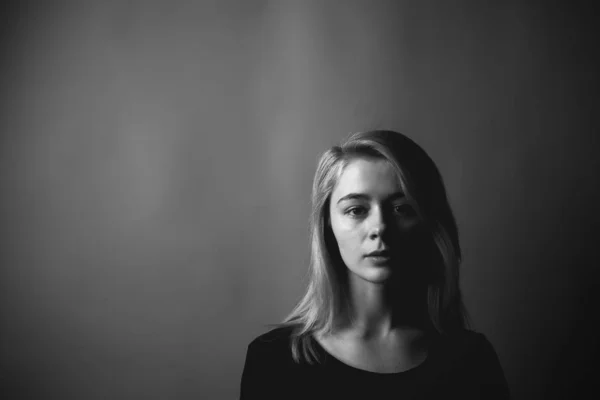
[(325, 297)]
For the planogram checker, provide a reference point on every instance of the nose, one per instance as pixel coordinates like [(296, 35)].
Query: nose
[(378, 224)]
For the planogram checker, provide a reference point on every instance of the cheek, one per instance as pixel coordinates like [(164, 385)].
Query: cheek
[(348, 237), (407, 226), (414, 242)]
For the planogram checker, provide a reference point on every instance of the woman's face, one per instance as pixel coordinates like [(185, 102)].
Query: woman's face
[(368, 212)]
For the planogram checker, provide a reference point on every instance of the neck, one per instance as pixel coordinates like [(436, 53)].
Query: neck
[(378, 309)]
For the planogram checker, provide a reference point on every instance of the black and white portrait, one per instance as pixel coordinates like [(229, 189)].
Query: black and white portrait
[(316, 199)]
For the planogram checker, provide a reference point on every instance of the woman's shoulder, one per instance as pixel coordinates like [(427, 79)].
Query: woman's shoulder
[(471, 357), (464, 340), (466, 346), (273, 336), (463, 335), (275, 340), (269, 365)]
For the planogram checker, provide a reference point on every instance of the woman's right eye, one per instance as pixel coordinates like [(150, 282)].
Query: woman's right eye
[(355, 211)]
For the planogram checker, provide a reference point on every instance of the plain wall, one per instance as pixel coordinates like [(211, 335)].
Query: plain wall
[(156, 161)]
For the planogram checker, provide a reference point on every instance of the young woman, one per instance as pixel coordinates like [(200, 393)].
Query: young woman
[(382, 317)]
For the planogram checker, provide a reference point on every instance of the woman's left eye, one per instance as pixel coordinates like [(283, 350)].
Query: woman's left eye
[(404, 209)]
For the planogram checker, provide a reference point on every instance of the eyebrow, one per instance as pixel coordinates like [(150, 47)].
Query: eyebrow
[(362, 196)]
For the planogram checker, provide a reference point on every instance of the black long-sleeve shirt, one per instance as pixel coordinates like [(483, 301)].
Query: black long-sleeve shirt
[(462, 365)]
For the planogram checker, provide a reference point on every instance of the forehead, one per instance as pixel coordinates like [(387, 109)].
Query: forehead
[(372, 176)]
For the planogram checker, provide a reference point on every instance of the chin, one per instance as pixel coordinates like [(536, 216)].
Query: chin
[(375, 275)]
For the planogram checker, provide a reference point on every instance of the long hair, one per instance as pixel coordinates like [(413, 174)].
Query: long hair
[(325, 297)]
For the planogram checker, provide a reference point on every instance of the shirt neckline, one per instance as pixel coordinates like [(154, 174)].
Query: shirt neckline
[(409, 372)]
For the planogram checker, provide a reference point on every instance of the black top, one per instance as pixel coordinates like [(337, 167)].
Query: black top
[(462, 366)]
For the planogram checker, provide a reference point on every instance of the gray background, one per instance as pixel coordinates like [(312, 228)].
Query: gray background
[(156, 161)]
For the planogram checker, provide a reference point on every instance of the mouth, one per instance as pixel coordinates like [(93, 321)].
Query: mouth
[(379, 254)]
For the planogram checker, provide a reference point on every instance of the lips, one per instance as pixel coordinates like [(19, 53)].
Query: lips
[(379, 253)]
